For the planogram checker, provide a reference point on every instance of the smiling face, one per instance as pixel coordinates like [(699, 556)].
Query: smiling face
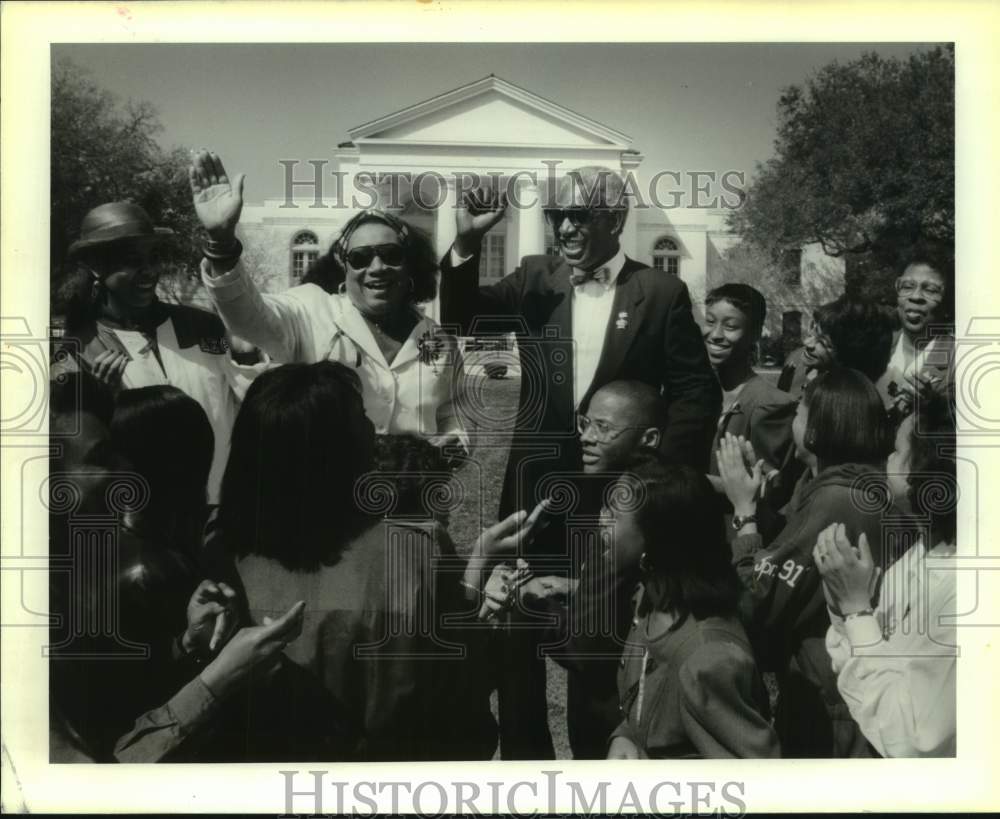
[(919, 293), (591, 238), (725, 333), (817, 349), (376, 288), (128, 273)]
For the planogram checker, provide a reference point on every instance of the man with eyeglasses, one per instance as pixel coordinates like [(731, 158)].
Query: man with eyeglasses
[(585, 318)]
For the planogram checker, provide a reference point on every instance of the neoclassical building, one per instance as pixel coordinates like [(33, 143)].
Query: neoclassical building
[(421, 157)]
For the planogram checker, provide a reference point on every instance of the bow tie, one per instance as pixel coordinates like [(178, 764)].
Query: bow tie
[(602, 275)]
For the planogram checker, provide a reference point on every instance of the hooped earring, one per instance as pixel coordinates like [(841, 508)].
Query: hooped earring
[(342, 288), (644, 564)]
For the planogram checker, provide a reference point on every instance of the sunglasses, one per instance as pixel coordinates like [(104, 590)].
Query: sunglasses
[(361, 257), (578, 217)]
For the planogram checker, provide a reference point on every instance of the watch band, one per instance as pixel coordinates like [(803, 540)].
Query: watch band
[(740, 522)]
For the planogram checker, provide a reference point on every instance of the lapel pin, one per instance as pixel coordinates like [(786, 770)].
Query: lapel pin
[(622, 322)]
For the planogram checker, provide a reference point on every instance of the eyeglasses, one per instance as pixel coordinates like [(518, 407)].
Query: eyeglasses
[(578, 217), (930, 289), (603, 431), (361, 257)]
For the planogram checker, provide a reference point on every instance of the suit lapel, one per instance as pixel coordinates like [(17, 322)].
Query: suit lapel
[(626, 317), (557, 332)]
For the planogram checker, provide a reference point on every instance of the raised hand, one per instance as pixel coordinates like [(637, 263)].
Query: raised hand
[(478, 211), (217, 202), (513, 532)]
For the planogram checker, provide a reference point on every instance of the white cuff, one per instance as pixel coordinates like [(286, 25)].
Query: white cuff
[(227, 287), (457, 260)]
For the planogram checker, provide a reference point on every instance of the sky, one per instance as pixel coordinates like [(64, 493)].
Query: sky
[(687, 106)]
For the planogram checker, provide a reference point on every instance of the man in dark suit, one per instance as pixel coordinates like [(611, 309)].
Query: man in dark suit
[(584, 319)]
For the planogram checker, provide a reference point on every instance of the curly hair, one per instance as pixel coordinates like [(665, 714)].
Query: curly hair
[(419, 257)]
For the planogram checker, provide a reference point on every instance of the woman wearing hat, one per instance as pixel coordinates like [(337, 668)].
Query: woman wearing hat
[(409, 369), (128, 338)]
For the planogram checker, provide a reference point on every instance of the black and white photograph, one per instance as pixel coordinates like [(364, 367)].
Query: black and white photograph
[(498, 406)]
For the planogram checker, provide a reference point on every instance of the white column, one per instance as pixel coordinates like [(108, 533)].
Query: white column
[(444, 236), (630, 234), (530, 228)]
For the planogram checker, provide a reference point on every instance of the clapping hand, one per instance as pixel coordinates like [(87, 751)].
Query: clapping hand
[(741, 482), (478, 211), (850, 576), (217, 202)]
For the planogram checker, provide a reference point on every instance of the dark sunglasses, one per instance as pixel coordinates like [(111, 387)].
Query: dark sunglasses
[(578, 217), (361, 257)]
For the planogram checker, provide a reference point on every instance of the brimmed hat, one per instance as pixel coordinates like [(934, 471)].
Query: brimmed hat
[(113, 222)]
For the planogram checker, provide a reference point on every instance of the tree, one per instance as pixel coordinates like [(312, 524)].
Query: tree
[(864, 165), (748, 263), (104, 150)]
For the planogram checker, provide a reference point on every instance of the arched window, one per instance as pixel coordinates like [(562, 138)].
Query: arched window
[(667, 256), (305, 250)]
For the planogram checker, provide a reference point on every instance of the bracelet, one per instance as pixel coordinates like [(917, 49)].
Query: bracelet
[(222, 251), (862, 613)]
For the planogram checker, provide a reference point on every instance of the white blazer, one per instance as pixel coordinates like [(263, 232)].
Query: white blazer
[(416, 394)]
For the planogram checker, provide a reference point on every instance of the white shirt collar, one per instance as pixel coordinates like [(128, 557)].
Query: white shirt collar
[(614, 266)]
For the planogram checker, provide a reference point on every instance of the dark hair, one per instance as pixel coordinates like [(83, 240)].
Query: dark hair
[(682, 526), (933, 484), (420, 258), (748, 300), (847, 419), (299, 443), (72, 393), (326, 271), (861, 333), (643, 399), (417, 468), (167, 438)]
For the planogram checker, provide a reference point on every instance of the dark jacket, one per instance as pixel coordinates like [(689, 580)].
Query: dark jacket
[(656, 341), (763, 414), (786, 609), (702, 695)]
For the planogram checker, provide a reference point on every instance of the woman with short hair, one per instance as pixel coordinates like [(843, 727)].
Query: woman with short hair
[(409, 369)]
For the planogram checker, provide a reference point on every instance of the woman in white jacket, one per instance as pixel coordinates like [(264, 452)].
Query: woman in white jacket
[(895, 660), (410, 370)]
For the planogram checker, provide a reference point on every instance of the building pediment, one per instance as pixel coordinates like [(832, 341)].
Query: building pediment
[(490, 111)]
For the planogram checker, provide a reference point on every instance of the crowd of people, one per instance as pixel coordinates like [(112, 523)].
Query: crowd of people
[(254, 559)]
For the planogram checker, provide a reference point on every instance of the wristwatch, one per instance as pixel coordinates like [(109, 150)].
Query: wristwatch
[(740, 522)]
